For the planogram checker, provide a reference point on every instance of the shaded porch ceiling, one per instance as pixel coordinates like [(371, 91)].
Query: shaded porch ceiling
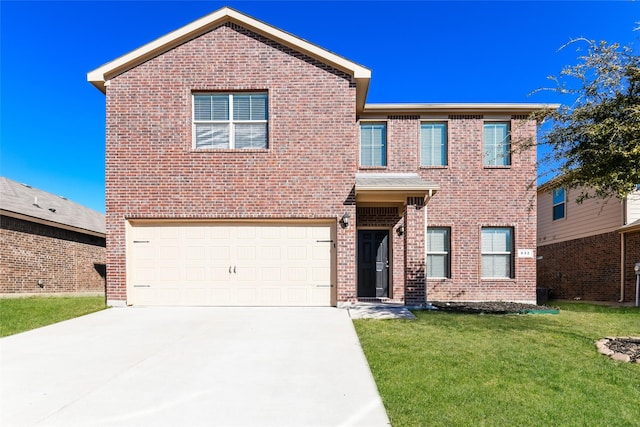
[(392, 188)]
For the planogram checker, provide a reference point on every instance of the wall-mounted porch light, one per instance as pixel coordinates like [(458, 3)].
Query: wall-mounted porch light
[(345, 219), (401, 230)]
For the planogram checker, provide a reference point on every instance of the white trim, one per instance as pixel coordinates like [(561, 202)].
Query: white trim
[(101, 75)]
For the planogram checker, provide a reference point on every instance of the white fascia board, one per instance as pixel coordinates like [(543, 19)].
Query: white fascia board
[(458, 108), (101, 75)]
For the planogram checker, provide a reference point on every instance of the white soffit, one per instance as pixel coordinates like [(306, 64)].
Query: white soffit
[(101, 75)]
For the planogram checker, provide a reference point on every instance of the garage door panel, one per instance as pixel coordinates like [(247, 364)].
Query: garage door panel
[(241, 265)]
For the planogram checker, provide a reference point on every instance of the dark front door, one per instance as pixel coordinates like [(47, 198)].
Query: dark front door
[(373, 263)]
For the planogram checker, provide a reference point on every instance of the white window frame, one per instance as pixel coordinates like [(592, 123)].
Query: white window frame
[(384, 144), (444, 145), (494, 158), (231, 122), (495, 254), (555, 204), (447, 253)]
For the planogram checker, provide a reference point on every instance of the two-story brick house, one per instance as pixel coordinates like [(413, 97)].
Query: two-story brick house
[(244, 167)]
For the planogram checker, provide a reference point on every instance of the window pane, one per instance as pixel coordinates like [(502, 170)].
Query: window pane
[(558, 211), (558, 196), (496, 266), (212, 136), (437, 240), (496, 240), (250, 107), (211, 107), (437, 266), (373, 141), (251, 135), (433, 148), (496, 144)]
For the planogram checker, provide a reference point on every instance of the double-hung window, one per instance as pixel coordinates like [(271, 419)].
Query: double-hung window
[(497, 146), (373, 144), (438, 252), (497, 252), (559, 203), (433, 144), (230, 120)]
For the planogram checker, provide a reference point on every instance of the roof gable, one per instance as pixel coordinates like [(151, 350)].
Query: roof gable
[(101, 75), (26, 202)]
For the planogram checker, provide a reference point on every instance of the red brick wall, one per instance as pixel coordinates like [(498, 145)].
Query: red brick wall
[(587, 268), (65, 261), (472, 196), (632, 256), (307, 171)]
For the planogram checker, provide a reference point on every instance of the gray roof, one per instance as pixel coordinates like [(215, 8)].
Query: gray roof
[(25, 200), (393, 181)]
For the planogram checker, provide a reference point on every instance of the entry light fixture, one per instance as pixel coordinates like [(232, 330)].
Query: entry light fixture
[(345, 219), (401, 230)]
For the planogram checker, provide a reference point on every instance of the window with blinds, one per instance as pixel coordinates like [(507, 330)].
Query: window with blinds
[(497, 252), (438, 252), (230, 120), (373, 144), (433, 144), (496, 144)]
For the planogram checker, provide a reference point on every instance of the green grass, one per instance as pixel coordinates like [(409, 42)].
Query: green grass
[(447, 369), (22, 314)]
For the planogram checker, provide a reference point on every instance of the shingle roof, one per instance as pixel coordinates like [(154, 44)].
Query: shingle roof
[(31, 202)]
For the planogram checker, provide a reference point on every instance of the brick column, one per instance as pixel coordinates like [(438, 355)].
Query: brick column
[(415, 269)]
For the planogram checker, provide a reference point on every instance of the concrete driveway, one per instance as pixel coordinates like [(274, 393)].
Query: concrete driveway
[(190, 367)]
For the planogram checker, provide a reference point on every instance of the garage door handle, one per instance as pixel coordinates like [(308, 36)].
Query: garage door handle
[(230, 269), (234, 269), (324, 286)]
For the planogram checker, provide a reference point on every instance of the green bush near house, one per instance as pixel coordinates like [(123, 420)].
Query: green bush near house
[(22, 314), (451, 369)]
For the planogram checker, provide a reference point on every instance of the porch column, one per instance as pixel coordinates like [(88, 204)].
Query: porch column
[(415, 268)]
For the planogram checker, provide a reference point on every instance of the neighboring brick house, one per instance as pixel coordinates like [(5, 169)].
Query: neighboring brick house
[(244, 167), (588, 250), (48, 244)]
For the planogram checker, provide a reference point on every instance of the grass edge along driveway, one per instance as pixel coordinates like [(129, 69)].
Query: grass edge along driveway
[(454, 369), (23, 314)]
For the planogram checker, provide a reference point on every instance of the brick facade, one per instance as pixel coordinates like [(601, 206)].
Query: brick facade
[(632, 256), (308, 170), (595, 268), (64, 261)]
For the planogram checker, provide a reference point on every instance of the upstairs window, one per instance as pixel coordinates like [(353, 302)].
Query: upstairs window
[(373, 144), (496, 144), (559, 203), (433, 144), (230, 120)]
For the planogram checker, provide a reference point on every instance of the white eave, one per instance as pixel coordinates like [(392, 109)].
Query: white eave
[(461, 108), (101, 75)]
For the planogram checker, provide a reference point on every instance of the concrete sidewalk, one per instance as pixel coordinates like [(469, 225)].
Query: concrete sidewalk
[(190, 367)]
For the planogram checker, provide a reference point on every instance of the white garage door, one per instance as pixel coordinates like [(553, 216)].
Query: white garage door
[(230, 265)]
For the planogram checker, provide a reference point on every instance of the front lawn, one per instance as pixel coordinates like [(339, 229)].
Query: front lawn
[(23, 314), (453, 369)]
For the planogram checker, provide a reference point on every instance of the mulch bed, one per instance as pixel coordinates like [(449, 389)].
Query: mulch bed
[(493, 307)]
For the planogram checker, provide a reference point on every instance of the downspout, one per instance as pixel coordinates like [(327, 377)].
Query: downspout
[(622, 249)]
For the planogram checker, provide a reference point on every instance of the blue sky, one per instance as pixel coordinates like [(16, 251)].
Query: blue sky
[(52, 120)]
